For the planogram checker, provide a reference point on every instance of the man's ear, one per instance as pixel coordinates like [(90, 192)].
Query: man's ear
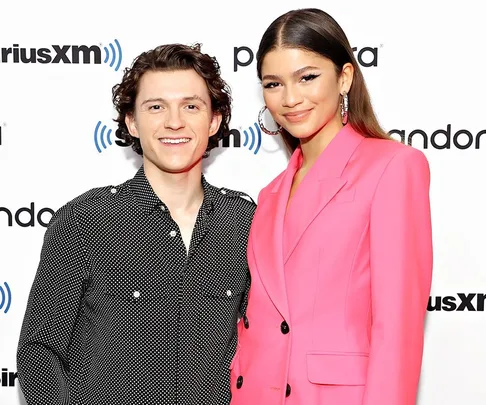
[(131, 125), (215, 123)]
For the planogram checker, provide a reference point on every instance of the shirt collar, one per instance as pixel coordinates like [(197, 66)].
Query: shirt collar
[(148, 201)]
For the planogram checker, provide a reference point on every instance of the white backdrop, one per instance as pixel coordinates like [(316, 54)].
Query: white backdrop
[(428, 77)]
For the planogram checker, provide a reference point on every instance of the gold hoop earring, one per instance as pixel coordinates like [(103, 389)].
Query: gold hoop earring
[(262, 126)]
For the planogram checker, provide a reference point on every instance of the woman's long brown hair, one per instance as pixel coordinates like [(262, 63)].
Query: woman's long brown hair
[(316, 31)]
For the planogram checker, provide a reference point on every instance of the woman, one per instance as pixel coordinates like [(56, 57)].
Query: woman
[(340, 249)]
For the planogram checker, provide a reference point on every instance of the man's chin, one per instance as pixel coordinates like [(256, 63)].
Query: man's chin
[(181, 168)]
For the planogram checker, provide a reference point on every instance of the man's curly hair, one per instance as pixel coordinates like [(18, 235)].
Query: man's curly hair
[(169, 58)]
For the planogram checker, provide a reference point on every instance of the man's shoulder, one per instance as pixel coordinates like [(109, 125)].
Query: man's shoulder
[(234, 199), (92, 199), (98, 195)]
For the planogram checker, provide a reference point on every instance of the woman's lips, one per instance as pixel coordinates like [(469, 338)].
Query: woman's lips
[(297, 116)]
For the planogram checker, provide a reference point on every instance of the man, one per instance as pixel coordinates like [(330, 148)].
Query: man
[(140, 286)]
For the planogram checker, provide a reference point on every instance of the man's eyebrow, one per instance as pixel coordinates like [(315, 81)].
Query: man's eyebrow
[(195, 97), (153, 100)]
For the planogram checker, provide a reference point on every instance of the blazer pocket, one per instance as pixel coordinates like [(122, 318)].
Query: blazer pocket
[(337, 368)]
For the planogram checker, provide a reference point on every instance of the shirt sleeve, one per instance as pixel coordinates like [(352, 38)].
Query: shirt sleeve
[(246, 233), (401, 273), (52, 310)]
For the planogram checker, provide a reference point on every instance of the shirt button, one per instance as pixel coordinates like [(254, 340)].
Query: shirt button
[(246, 322), (113, 190), (288, 390), (136, 294), (172, 233), (284, 327), (229, 293), (239, 382)]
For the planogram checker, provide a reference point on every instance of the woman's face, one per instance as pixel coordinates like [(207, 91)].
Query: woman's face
[(302, 91)]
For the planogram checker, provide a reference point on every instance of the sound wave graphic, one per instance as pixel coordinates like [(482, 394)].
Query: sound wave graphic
[(115, 54), (6, 298), (100, 136), (254, 137)]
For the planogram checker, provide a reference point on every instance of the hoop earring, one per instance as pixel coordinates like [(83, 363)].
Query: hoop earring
[(344, 108), (264, 129)]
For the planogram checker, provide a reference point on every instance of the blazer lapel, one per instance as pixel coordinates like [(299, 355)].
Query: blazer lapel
[(321, 183), (267, 238)]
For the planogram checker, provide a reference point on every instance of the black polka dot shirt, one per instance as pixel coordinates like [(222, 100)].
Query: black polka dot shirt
[(121, 313)]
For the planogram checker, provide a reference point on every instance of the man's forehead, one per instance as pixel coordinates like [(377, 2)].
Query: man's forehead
[(174, 84), (187, 76)]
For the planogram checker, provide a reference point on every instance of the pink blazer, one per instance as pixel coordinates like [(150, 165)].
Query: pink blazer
[(340, 282)]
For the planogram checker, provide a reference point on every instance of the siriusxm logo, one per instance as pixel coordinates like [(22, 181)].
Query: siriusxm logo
[(473, 302), (252, 141), (5, 297), (8, 378), (252, 138), (67, 54), (102, 137)]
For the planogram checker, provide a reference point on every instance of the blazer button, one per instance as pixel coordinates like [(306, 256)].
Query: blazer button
[(239, 382), (245, 322), (288, 390), (284, 327)]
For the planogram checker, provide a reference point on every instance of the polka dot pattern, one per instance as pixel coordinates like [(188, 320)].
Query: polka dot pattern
[(120, 313)]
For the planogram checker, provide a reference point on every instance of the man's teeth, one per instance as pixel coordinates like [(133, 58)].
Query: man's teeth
[(178, 140)]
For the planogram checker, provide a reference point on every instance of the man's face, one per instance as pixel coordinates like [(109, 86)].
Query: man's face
[(173, 119)]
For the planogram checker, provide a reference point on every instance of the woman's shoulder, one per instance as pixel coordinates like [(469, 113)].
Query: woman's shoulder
[(388, 149), (382, 156), (270, 186)]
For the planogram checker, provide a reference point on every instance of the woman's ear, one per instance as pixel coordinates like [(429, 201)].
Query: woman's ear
[(346, 78)]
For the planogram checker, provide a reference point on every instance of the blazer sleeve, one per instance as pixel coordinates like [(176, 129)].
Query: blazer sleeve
[(401, 274), (52, 310)]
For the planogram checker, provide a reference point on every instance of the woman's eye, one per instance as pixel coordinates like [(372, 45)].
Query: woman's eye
[(309, 77), (270, 85)]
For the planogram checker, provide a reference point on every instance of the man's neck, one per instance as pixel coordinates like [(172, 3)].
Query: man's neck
[(179, 191)]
